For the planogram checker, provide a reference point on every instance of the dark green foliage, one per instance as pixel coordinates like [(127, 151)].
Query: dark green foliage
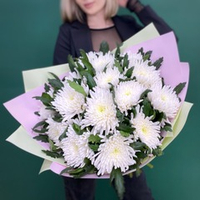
[(104, 47), (94, 141), (118, 180), (179, 88)]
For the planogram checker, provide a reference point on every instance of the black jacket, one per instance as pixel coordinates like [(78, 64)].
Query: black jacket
[(75, 36)]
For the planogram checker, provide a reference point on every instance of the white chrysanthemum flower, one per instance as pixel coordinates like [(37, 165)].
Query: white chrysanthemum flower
[(165, 100), (100, 61), (85, 150), (100, 112), (55, 130), (75, 148), (127, 95), (77, 121), (112, 75), (145, 74), (146, 130), (72, 75), (75, 75), (115, 153), (85, 85), (44, 112), (134, 58), (68, 102)]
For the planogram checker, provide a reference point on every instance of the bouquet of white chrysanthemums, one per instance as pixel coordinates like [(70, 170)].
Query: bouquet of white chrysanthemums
[(108, 114), (104, 114)]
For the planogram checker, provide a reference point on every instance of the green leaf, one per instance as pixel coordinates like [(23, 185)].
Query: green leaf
[(179, 87), (79, 172), (94, 147), (66, 170), (167, 127), (141, 50), (147, 108), (40, 127), (118, 65), (158, 63), (125, 128), (57, 117), (42, 138), (52, 154), (55, 83), (120, 115), (40, 131), (104, 47), (125, 61), (55, 76), (124, 134), (159, 116), (147, 55), (138, 145), (71, 63), (84, 55), (118, 51), (77, 129), (157, 152), (46, 87), (129, 72), (94, 139), (142, 154), (144, 94), (80, 68), (45, 99), (63, 135), (53, 147), (94, 142), (90, 81), (86, 62), (117, 178), (76, 172), (89, 66), (77, 87), (41, 123), (37, 113)]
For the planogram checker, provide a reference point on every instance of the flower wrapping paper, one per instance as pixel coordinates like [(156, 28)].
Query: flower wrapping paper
[(23, 107)]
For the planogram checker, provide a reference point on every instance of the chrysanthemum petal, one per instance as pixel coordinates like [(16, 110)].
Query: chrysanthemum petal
[(115, 152), (100, 112)]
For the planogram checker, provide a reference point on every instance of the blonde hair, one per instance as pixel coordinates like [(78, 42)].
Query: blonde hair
[(70, 11)]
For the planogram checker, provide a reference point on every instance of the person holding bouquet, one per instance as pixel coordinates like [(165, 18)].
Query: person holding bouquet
[(86, 23)]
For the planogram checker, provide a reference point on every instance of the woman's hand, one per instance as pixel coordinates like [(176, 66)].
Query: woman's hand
[(123, 3), (133, 5)]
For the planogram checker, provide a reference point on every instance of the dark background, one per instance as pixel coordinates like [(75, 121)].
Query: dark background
[(28, 30)]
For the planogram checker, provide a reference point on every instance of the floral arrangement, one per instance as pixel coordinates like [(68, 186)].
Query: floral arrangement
[(108, 114)]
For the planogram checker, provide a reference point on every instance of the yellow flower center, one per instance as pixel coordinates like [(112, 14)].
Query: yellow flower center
[(75, 147), (71, 97), (109, 79), (144, 129), (142, 73), (57, 133), (115, 152), (163, 97), (128, 93), (101, 108)]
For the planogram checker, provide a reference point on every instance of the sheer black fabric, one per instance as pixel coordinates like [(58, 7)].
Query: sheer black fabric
[(108, 35)]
